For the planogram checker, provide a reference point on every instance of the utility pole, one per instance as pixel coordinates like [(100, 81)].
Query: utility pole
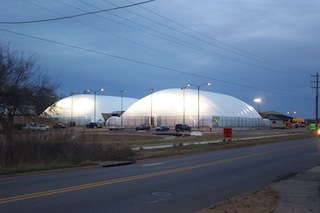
[(317, 96)]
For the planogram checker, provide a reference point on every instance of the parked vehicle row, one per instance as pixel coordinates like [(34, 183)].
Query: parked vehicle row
[(164, 128), (141, 127), (35, 126)]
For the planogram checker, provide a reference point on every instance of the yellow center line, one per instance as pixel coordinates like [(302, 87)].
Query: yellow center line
[(136, 177)]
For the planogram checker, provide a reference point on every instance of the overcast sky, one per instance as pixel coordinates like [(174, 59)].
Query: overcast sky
[(246, 48)]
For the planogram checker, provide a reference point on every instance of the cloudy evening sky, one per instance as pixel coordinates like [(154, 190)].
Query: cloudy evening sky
[(245, 48)]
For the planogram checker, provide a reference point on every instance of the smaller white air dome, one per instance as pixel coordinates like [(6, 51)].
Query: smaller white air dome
[(84, 106)]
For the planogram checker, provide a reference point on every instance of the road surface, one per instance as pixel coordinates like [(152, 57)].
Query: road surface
[(178, 184)]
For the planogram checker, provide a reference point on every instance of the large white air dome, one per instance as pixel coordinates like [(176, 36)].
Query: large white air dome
[(172, 106), (172, 102)]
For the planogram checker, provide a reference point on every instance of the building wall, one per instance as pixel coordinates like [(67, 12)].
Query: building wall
[(205, 121)]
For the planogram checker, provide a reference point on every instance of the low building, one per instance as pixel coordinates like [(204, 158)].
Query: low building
[(277, 120)]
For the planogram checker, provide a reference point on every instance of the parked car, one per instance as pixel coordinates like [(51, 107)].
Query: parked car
[(182, 128), (43, 127), (94, 125), (35, 126), (59, 126), (162, 128), (115, 128), (143, 127)]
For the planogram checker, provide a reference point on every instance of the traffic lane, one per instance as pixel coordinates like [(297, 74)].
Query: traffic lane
[(175, 190), (49, 181)]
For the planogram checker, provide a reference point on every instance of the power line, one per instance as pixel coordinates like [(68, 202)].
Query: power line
[(73, 16), (128, 40), (243, 53), (144, 63), (185, 43)]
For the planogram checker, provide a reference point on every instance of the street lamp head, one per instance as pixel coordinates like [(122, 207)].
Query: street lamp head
[(257, 100), (208, 84)]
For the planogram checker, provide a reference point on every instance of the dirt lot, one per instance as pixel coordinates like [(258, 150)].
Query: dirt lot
[(265, 200)]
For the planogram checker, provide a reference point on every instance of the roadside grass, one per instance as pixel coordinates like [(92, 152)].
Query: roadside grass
[(180, 149), (67, 149), (27, 167), (217, 137)]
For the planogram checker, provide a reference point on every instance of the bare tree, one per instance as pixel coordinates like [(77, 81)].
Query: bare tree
[(24, 91)]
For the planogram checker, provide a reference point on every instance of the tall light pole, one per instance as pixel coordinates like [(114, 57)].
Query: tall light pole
[(151, 92), (184, 106), (198, 86), (72, 96), (122, 92), (94, 102), (258, 101)]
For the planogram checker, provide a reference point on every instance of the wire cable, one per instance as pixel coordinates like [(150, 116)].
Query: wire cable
[(242, 53), (73, 16), (179, 41), (133, 41), (148, 64)]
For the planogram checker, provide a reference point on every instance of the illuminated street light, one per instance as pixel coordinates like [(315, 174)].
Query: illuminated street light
[(151, 92), (122, 91), (258, 101), (94, 102), (198, 86), (292, 114)]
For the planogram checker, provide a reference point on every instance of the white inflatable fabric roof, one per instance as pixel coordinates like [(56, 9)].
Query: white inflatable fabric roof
[(83, 106), (175, 102)]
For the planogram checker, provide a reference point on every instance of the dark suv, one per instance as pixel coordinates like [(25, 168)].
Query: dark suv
[(94, 125), (143, 127), (182, 128)]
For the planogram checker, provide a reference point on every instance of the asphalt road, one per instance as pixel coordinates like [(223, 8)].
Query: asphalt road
[(177, 184)]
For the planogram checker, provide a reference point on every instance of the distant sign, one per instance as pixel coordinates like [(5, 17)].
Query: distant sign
[(215, 118)]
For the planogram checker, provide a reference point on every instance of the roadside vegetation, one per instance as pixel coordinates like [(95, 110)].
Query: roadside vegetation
[(187, 145), (50, 150), (36, 151)]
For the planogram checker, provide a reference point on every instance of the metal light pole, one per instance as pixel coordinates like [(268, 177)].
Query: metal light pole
[(94, 102), (151, 92), (72, 95), (71, 108), (184, 106), (122, 92), (198, 86), (258, 101)]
